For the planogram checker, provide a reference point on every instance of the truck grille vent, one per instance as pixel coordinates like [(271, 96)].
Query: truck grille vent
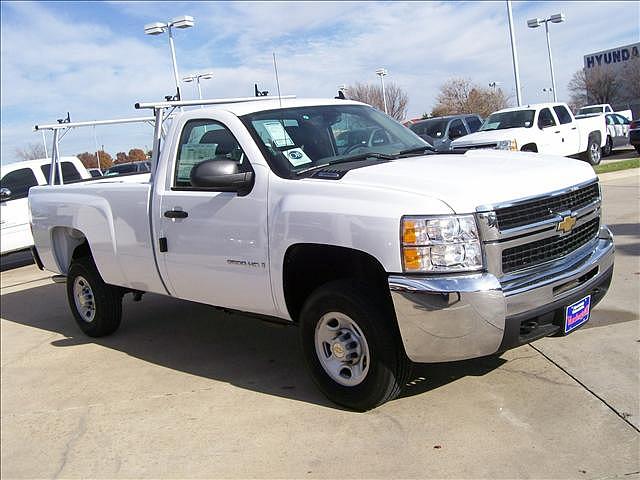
[(544, 209), (476, 147), (535, 253)]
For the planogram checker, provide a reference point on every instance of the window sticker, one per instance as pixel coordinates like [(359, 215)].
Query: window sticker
[(296, 157), (278, 134), (191, 154)]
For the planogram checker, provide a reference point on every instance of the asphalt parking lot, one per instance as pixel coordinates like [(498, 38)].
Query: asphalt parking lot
[(182, 390)]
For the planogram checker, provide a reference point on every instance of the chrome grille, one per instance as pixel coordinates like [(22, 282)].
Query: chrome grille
[(546, 208), (476, 147), (552, 248)]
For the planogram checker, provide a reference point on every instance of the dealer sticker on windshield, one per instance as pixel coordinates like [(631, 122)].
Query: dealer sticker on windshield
[(577, 314)]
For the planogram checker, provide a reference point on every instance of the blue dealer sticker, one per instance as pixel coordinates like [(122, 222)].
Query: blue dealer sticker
[(577, 314)]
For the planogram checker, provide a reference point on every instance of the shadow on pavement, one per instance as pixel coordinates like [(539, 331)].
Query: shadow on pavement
[(201, 340)]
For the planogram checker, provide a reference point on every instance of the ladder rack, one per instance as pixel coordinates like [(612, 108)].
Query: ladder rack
[(212, 101)]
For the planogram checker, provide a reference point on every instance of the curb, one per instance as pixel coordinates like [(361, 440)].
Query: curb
[(631, 172)]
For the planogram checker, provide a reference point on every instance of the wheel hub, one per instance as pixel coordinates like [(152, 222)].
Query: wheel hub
[(342, 349), (83, 297)]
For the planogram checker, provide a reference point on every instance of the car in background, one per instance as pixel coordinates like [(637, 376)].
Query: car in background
[(441, 131), (602, 108), (129, 168), (617, 132), (548, 128), (95, 172), (634, 134), (15, 181)]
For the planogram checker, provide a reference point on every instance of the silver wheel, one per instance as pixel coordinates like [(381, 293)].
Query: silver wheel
[(83, 296), (342, 349), (594, 151)]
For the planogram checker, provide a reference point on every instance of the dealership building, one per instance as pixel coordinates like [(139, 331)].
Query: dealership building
[(618, 60)]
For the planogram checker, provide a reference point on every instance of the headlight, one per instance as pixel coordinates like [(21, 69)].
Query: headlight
[(507, 145), (440, 244)]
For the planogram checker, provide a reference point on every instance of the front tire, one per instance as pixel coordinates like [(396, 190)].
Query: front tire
[(96, 306), (593, 155), (352, 346)]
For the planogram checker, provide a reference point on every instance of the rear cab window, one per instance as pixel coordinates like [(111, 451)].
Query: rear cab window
[(473, 123), (70, 173), (563, 114)]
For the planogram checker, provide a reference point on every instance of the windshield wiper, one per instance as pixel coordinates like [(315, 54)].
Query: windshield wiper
[(352, 158), (416, 150)]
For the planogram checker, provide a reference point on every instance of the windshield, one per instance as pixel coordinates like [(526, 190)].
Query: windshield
[(587, 111), (513, 119), (432, 128), (297, 139)]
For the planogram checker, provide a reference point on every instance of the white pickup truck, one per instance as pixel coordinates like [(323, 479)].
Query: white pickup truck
[(544, 128), (331, 216), (602, 108)]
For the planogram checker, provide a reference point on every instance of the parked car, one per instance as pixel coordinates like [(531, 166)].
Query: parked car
[(95, 172), (634, 135), (617, 132), (602, 108), (129, 168), (440, 131), (544, 128), (382, 253), (17, 179)]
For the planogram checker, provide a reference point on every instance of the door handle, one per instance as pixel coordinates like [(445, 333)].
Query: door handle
[(574, 128), (176, 214), (557, 131)]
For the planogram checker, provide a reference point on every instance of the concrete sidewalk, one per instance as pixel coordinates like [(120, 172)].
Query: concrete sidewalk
[(184, 391)]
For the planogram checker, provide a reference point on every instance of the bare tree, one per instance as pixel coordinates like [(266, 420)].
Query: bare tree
[(32, 151), (595, 85), (461, 95), (397, 98)]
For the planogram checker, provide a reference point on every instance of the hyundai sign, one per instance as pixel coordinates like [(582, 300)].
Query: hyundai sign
[(612, 58)]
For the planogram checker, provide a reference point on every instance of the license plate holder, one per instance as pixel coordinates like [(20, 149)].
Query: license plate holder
[(577, 314)]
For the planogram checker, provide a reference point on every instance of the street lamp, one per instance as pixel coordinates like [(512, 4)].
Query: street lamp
[(158, 28), (196, 78), (535, 23), (381, 72), (494, 85), (548, 90)]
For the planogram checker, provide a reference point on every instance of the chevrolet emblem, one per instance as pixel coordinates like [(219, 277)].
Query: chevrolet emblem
[(566, 225)]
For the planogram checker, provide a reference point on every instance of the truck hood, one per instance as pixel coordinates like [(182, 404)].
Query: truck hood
[(490, 136), (480, 177)]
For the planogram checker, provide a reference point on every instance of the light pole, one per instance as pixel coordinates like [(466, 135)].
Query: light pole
[(196, 77), (381, 72), (158, 28), (535, 23), (494, 85), (514, 54)]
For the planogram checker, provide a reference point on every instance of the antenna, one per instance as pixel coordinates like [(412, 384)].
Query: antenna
[(275, 68)]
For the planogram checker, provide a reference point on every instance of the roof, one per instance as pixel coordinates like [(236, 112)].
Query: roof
[(274, 103), (532, 106)]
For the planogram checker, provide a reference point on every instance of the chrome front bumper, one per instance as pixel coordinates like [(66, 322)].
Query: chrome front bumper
[(455, 317)]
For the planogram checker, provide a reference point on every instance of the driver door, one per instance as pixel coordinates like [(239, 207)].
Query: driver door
[(215, 242), (551, 137)]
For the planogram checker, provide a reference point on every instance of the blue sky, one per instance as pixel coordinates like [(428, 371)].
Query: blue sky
[(93, 59)]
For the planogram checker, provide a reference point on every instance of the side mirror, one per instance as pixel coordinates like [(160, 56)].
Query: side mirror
[(221, 176), (5, 194)]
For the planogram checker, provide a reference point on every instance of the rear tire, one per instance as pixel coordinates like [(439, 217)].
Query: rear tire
[(608, 148), (352, 345), (96, 306), (593, 155)]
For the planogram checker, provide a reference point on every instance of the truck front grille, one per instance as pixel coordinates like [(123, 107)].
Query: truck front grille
[(546, 208), (552, 248), (476, 147)]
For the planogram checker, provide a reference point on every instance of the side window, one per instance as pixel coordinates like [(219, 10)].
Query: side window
[(545, 119), (607, 109), (19, 182), (206, 140), (609, 120), (70, 173), (562, 114), (474, 124), (456, 129), (620, 120)]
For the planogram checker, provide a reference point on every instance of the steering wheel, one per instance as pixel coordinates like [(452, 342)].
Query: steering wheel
[(368, 143)]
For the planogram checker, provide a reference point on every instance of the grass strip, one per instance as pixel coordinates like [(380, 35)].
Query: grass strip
[(615, 166)]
